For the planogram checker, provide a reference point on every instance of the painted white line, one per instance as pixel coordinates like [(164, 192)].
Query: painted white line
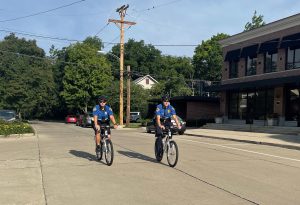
[(232, 144), (243, 150)]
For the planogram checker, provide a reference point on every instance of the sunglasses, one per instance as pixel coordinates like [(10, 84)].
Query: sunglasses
[(102, 101), (166, 101)]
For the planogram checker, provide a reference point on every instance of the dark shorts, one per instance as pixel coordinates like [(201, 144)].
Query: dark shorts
[(158, 129), (108, 129)]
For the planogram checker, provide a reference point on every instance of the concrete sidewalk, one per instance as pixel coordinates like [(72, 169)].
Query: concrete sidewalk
[(279, 140)]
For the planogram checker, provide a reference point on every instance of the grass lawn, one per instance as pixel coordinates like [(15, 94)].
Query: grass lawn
[(134, 125)]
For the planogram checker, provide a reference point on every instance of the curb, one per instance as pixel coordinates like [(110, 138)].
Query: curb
[(249, 141), (17, 135)]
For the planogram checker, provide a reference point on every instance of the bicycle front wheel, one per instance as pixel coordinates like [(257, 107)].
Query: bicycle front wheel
[(172, 154), (109, 153)]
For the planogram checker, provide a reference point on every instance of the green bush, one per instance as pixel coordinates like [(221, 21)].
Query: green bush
[(145, 121), (16, 127)]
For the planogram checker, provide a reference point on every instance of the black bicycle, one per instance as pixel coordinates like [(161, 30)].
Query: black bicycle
[(169, 147), (106, 147)]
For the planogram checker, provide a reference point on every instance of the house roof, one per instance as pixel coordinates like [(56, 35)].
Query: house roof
[(282, 24), (142, 78)]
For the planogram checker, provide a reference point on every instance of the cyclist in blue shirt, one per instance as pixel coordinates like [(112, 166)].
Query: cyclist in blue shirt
[(103, 114), (164, 112)]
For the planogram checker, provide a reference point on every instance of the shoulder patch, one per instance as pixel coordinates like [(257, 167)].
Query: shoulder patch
[(157, 109), (94, 109), (110, 109)]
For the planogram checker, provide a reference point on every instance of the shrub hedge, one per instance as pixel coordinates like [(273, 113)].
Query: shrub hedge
[(16, 127)]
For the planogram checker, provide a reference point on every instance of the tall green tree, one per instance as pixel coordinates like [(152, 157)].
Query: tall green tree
[(257, 21), (207, 59), (143, 59), (27, 83), (86, 75)]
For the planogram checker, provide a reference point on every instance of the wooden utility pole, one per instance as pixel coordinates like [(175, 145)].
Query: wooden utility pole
[(120, 24), (128, 97)]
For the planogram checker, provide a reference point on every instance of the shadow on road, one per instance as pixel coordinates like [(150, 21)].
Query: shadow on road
[(137, 156), (84, 155)]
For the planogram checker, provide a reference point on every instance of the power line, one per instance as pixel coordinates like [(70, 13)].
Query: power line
[(44, 37), (155, 7), (39, 36), (116, 71), (25, 33), (41, 12), (102, 29)]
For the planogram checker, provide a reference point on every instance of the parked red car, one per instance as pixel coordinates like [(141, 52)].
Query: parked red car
[(71, 119)]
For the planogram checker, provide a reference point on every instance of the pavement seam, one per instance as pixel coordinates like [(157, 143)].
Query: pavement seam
[(213, 185), (41, 167), (294, 147), (208, 183)]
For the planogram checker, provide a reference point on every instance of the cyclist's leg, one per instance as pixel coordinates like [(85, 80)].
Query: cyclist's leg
[(97, 139), (158, 134)]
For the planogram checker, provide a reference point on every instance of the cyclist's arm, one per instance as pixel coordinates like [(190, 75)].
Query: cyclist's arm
[(158, 121), (176, 120), (112, 118), (96, 122)]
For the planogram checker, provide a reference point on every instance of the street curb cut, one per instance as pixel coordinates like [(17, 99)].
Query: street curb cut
[(249, 141)]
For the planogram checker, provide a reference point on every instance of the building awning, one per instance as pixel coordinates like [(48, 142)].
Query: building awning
[(292, 41), (188, 99), (269, 46), (233, 55), (255, 84), (250, 51)]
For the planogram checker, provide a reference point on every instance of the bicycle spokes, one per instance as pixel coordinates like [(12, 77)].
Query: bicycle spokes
[(172, 153)]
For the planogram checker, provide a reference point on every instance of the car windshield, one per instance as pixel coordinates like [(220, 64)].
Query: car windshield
[(6, 115)]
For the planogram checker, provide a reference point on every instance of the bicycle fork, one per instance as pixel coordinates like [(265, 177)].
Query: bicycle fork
[(166, 142)]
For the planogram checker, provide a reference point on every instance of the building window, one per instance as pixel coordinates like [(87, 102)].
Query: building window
[(233, 106), (270, 62), (147, 81), (233, 69), (242, 105), (251, 63), (256, 104), (293, 104), (293, 58)]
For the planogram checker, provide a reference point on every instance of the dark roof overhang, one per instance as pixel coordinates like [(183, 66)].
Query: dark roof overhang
[(255, 84)]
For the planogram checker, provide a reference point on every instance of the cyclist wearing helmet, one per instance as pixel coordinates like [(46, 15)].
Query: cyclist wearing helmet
[(164, 112), (102, 115)]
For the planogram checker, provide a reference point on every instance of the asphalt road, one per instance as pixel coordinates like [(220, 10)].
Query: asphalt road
[(58, 166)]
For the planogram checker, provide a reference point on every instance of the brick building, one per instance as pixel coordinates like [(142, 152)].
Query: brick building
[(195, 110), (261, 74)]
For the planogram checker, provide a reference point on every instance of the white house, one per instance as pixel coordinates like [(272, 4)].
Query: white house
[(146, 81)]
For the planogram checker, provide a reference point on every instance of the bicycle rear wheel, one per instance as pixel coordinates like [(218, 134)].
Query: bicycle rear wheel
[(109, 152), (172, 154), (158, 155)]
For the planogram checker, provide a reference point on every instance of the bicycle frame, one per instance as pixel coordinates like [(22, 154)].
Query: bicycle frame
[(167, 137), (104, 136)]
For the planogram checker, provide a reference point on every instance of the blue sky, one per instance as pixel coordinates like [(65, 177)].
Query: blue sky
[(171, 22)]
